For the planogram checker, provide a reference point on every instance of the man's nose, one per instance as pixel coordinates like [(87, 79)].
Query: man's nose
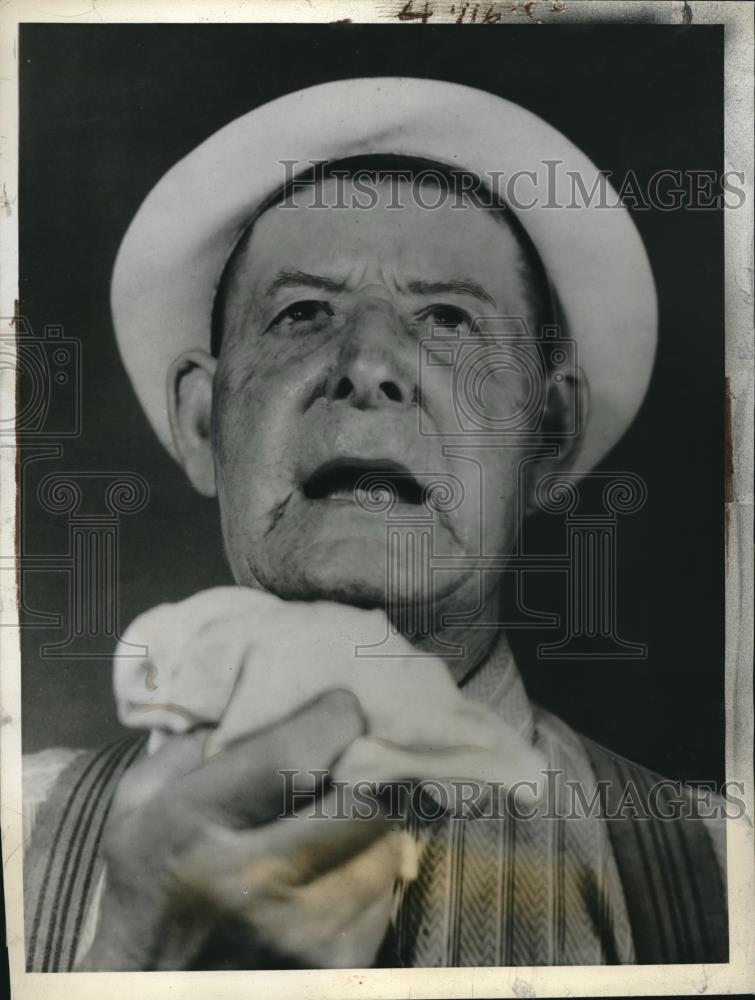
[(374, 367)]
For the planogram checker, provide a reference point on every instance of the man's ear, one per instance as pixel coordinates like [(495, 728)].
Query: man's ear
[(190, 379), (567, 402)]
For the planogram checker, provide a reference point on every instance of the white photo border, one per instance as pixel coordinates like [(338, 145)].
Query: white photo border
[(736, 976)]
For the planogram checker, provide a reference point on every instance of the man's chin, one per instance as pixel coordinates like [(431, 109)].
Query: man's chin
[(349, 563), (340, 572), (349, 572)]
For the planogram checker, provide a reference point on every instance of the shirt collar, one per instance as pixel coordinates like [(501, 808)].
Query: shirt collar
[(497, 683)]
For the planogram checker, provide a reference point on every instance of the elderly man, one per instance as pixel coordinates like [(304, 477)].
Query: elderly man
[(304, 283)]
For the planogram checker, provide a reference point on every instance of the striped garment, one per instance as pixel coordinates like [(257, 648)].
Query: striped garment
[(501, 892), (63, 867), (517, 892)]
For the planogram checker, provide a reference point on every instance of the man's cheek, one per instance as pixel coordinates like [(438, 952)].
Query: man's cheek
[(439, 399), (486, 518), (477, 391), (244, 415)]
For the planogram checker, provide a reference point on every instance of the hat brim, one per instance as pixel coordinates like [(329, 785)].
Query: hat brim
[(176, 247)]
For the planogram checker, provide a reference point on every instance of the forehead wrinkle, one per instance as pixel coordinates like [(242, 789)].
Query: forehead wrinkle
[(416, 286), (240, 260)]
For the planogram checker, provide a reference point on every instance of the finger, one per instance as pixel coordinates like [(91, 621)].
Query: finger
[(150, 775), (283, 854), (337, 919), (302, 848), (340, 918), (375, 762), (244, 784)]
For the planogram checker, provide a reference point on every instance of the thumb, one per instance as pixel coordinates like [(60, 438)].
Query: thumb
[(240, 786)]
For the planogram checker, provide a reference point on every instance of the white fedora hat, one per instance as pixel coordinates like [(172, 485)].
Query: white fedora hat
[(174, 252)]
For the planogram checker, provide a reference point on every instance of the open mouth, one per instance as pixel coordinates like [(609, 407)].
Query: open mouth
[(353, 480)]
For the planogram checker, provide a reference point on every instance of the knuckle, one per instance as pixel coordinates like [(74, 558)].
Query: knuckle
[(145, 836), (343, 711)]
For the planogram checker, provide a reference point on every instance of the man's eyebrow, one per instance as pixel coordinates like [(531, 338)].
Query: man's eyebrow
[(290, 279), (458, 286)]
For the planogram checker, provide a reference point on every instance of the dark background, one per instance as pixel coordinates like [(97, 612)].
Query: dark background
[(106, 110)]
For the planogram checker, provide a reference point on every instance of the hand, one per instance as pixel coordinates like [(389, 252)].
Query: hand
[(202, 873)]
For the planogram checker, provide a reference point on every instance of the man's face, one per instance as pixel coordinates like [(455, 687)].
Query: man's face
[(318, 384)]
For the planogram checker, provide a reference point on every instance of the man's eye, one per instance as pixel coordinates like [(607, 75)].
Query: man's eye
[(307, 311), (450, 317)]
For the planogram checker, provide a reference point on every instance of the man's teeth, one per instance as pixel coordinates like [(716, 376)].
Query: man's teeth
[(362, 486), (356, 495)]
